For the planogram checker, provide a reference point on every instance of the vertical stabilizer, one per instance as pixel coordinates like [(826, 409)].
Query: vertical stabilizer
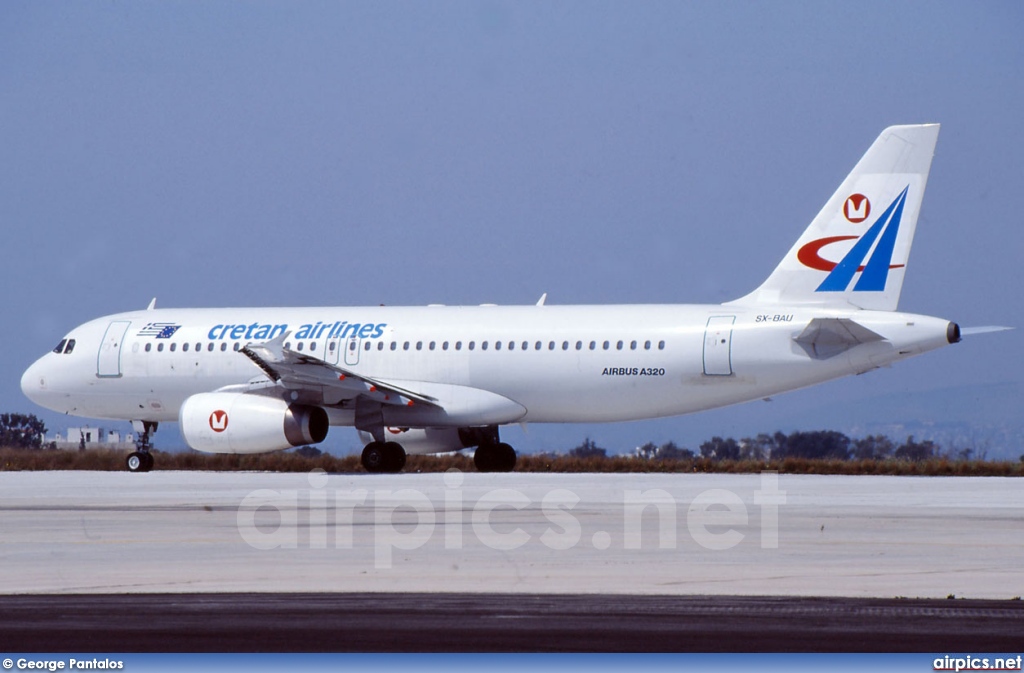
[(854, 254)]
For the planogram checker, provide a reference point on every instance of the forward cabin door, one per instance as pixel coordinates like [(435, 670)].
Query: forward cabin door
[(718, 345), (108, 361)]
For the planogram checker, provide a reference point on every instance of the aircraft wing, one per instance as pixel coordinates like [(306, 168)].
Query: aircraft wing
[(306, 374)]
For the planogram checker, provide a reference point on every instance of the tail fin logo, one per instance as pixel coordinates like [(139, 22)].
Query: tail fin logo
[(857, 208), (873, 273)]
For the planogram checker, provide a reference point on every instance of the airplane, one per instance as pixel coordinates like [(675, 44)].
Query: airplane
[(433, 379)]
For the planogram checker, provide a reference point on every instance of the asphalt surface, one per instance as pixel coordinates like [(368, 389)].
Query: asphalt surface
[(454, 622)]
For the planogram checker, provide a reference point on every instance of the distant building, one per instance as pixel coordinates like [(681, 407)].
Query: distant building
[(90, 438)]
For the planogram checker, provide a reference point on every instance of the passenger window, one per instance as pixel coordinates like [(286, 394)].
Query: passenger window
[(237, 346), (394, 345), (526, 345), (287, 344), (159, 348), (632, 345), (199, 347), (380, 345), (537, 346), (647, 345), (209, 347), (173, 346), (472, 345), (661, 345), (444, 346), (299, 346), (366, 347), (330, 347), (433, 344), (593, 345), (579, 345), (405, 346), (497, 345), (458, 345), (511, 345), (551, 345), (312, 345), (60, 346), (618, 346), (484, 345), (70, 347), (419, 345), (184, 348), (149, 347), (565, 345), (223, 347)]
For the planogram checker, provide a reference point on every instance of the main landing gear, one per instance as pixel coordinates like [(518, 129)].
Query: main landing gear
[(141, 460), (390, 457), (495, 458), (383, 457)]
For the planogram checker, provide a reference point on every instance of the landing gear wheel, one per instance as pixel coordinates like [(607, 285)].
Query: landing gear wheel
[(507, 458), (394, 457), (495, 458), (139, 461), (374, 457)]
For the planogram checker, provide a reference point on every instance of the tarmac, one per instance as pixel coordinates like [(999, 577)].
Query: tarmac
[(222, 562), (644, 534)]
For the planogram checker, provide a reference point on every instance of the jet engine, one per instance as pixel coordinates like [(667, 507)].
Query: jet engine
[(246, 423)]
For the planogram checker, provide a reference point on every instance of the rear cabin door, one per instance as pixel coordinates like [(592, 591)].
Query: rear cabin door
[(108, 361), (718, 345)]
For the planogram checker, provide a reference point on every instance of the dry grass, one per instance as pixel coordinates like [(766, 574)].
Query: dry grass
[(288, 461)]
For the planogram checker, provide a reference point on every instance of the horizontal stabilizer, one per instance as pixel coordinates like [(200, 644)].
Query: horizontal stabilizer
[(971, 331), (824, 338)]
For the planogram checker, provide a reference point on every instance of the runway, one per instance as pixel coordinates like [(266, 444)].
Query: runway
[(364, 622), (629, 534)]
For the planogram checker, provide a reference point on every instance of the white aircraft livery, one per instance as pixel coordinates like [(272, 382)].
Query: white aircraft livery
[(432, 379)]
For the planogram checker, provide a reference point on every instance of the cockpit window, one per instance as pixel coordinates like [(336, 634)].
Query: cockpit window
[(60, 346), (71, 347)]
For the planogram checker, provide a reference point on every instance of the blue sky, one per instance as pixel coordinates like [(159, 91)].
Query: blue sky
[(222, 154)]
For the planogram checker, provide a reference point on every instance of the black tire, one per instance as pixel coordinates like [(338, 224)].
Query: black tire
[(484, 457), (394, 457), (506, 458), (148, 458), (374, 457), (136, 462)]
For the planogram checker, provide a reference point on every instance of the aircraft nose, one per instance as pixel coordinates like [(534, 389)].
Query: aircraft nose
[(33, 382)]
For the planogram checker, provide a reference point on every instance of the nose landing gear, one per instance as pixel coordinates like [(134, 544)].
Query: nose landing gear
[(141, 460)]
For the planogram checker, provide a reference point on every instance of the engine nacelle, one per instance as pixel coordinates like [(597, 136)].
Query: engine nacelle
[(245, 423)]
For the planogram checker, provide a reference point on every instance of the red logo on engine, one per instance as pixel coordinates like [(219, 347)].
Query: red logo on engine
[(857, 208), (219, 421)]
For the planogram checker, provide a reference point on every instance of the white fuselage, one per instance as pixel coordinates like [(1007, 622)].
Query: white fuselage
[(558, 363)]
